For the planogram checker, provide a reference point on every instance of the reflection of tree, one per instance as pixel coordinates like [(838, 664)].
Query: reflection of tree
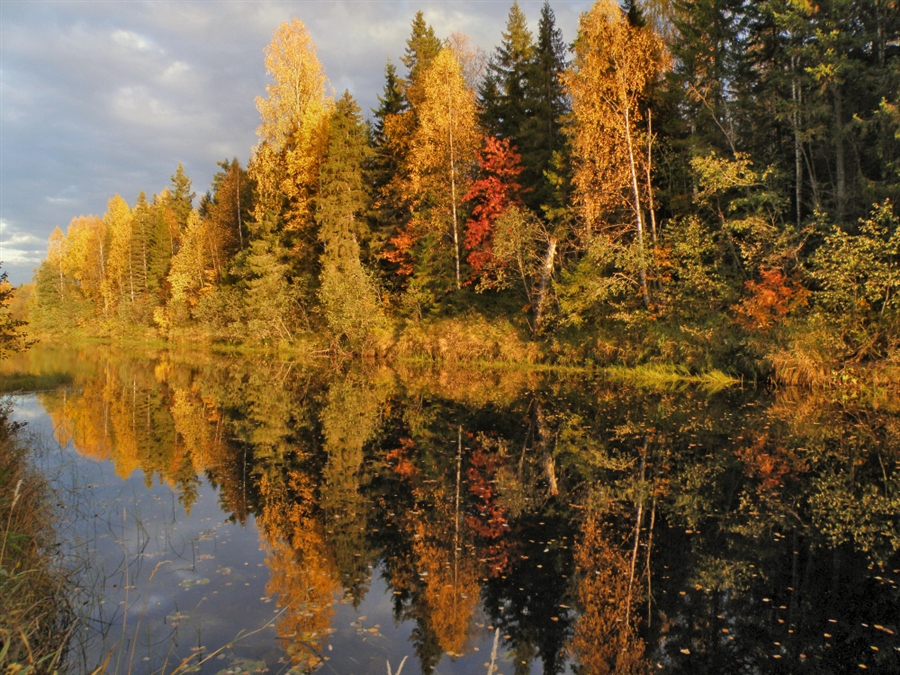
[(606, 638), (430, 557), (350, 418), (446, 559), (713, 533), (489, 517), (303, 576), (120, 412)]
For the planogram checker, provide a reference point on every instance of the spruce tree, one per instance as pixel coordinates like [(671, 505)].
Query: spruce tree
[(344, 196), (347, 293), (541, 137), (182, 198), (508, 71), (389, 210), (421, 48)]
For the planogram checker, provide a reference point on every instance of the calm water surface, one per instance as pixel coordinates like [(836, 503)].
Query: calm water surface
[(232, 516)]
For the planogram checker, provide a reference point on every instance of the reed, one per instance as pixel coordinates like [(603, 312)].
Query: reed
[(800, 367), (34, 588)]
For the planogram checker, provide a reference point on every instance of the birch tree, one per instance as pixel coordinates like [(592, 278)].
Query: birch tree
[(615, 64), (442, 153), (118, 280), (293, 127)]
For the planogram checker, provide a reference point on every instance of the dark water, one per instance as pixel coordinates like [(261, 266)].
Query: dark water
[(235, 516)]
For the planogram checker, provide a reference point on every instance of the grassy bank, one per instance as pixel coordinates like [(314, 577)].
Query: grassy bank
[(33, 587)]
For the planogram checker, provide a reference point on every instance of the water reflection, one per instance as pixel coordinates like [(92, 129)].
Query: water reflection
[(593, 527)]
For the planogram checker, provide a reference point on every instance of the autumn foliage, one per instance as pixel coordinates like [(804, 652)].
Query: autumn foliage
[(491, 195), (770, 300)]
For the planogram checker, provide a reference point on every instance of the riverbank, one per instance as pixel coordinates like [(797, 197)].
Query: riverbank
[(34, 588)]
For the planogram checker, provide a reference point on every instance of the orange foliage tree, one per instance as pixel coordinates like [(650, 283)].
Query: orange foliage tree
[(492, 194)]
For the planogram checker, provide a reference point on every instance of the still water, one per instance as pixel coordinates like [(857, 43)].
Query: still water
[(235, 516)]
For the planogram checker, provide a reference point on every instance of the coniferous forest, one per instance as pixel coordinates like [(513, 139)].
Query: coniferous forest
[(706, 184)]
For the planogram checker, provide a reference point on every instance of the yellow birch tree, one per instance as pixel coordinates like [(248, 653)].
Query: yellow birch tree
[(615, 63), (85, 256), (293, 126), (442, 152), (117, 280)]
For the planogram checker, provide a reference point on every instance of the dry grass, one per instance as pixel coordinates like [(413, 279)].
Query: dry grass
[(33, 587), (465, 340), (801, 367)]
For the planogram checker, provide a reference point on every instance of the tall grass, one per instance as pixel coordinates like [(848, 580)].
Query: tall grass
[(463, 340), (34, 588)]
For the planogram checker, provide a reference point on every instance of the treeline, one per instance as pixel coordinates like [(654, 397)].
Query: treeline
[(707, 183)]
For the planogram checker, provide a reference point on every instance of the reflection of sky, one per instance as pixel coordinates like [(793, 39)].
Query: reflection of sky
[(163, 584), (189, 581)]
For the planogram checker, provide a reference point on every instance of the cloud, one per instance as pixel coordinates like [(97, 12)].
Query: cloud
[(133, 41), (137, 105), (100, 98), (68, 195), (19, 249)]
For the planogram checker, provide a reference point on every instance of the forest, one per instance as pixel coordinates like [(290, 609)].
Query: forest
[(705, 184)]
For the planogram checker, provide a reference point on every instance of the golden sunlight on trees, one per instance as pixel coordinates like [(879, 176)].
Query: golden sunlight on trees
[(280, 265), (84, 261), (703, 184), (615, 64), (348, 294), (118, 283), (292, 129), (442, 156)]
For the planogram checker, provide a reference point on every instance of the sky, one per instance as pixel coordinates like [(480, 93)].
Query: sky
[(102, 97)]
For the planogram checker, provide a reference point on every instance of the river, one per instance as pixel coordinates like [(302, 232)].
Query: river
[(233, 515)]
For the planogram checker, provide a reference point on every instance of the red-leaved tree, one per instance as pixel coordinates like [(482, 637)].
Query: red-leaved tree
[(493, 194)]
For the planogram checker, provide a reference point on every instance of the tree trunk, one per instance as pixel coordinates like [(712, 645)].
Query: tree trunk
[(840, 169), (798, 159), (453, 189), (638, 216), (546, 272)]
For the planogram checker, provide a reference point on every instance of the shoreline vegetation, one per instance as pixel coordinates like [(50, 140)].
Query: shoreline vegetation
[(637, 200), (35, 586), (489, 211)]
